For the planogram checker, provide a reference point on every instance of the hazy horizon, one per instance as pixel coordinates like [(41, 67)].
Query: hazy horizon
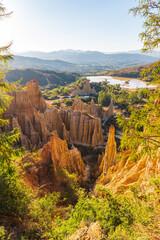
[(80, 50), (53, 25)]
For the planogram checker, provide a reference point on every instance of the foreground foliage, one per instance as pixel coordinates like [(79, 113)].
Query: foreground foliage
[(150, 11), (120, 216), (143, 127)]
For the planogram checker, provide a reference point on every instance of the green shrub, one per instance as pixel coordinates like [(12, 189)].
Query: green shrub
[(14, 198), (58, 103), (104, 98), (144, 93), (110, 212), (42, 210), (3, 233), (133, 98), (68, 102)]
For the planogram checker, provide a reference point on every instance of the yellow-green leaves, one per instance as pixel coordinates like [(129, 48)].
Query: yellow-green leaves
[(150, 11)]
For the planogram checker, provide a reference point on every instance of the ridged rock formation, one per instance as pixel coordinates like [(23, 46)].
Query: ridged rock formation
[(35, 96), (57, 151), (87, 90), (109, 158), (28, 111), (93, 109), (119, 177), (83, 128), (126, 172), (40, 169)]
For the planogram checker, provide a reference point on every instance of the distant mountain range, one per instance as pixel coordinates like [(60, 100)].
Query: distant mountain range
[(153, 54), (79, 61), (36, 63)]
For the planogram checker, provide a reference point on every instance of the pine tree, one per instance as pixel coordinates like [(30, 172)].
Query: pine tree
[(143, 127), (150, 11), (13, 200)]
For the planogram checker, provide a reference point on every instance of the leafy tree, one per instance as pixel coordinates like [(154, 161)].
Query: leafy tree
[(150, 11), (13, 198), (133, 98), (104, 98), (68, 102), (152, 73), (142, 128), (4, 57), (4, 50), (144, 93)]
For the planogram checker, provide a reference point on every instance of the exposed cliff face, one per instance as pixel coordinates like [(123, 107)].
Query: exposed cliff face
[(121, 176), (87, 90), (28, 112), (127, 172), (93, 109), (83, 128), (109, 158), (35, 96), (42, 168), (57, 150)]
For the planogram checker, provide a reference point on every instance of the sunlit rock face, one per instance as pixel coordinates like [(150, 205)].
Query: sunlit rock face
[(126, 173), (87, 90), (93, 109), (28, 111), (121, 176), (35, 96), (109, 158), (62, 158), (41, 169), (82, 127)]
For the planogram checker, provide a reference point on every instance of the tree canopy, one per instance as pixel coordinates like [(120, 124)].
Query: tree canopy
[(150, 11), (142, 128)]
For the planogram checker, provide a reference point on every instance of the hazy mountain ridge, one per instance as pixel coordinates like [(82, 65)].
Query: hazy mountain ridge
[(79, 61), (37, 63), (92, 57)]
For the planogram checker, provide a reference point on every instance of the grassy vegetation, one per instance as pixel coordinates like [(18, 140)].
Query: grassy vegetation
[(120, 216), (122, 98)]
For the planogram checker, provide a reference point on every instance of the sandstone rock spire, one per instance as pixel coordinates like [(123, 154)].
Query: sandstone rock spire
[(63, 158), (45, 168), (127, 172), (87, 90), (35, 95), (109, 158), (28, 111), (93, 109)]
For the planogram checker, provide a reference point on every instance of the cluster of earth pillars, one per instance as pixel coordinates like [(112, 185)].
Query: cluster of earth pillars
[(71, 138)]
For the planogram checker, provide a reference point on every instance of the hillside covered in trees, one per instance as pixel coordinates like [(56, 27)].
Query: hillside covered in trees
[(45, 77)]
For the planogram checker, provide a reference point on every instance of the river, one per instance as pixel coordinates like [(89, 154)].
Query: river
[(129, 83)]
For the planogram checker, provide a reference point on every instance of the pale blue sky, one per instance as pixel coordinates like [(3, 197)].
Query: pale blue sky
[(49, 25)]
